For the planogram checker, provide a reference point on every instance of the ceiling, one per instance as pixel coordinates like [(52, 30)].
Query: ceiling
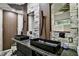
[(16, 6)]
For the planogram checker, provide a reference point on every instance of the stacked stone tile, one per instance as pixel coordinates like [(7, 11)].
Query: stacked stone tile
[(34, 7)]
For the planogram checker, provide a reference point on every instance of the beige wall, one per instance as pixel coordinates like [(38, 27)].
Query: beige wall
[(1, 30), (20, 23), (45, 8)]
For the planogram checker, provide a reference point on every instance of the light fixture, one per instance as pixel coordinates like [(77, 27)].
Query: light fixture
[(58, 13)]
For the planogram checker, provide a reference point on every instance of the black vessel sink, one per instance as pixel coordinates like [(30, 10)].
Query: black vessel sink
[(21, 37), (47, 45)]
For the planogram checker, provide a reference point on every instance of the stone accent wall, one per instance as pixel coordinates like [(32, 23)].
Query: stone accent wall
[(74, 24), (78, 24), (34, 7)]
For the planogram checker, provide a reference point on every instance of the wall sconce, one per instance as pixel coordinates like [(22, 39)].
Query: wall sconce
[(70, 40)]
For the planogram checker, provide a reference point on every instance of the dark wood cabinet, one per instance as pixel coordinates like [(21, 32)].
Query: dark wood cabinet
[(25, 51)]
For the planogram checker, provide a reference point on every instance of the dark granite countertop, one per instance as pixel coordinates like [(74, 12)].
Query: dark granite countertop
[(27, 43)]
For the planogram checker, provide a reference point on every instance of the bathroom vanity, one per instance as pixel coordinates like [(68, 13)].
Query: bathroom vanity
[(37, 47)]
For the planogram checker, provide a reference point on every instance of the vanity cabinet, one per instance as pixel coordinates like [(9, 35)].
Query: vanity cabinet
[(23, 50)]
